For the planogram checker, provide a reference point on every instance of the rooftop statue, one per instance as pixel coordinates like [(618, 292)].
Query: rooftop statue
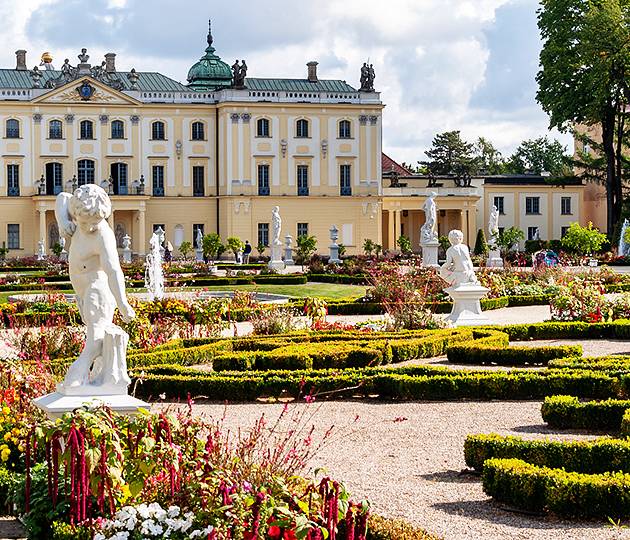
[(367, 78), (239, 73)]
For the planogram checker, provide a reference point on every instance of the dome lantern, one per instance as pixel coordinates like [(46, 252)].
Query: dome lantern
[(210, 72)]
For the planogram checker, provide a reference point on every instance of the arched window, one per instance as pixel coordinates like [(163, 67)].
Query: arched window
[(118, 129), (55, 129), (12, 129), (344, 129), (85, 171), (301, 128), (157, 131), (197, 131), (86, 129), (262, 127)]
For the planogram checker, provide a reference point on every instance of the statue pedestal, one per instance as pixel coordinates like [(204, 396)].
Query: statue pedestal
[(56, 404), (466, 308), (288, 255), (276, 263), (108, 385), (334, 253), (199, 255), (126, 255), (430, 254), (494, 259)]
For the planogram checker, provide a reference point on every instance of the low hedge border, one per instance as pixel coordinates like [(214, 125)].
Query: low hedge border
[(590, 457), (569, 494), (344, 279), (568, 412), (619, 329), (395, 383), (617, 363)]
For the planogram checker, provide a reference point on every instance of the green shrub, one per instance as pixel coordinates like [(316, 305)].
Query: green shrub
[(569, 412), (625, 424), (590, 457), (380, 528), (9, 483), (569, 494)]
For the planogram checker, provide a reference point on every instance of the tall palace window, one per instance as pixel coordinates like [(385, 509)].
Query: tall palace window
[(85, 172)]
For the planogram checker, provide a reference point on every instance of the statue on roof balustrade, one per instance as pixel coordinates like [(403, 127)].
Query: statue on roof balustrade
[(239, 73)]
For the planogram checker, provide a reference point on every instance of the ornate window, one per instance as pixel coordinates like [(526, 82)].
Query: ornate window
[(157, 131), (158, 180), (85, 172), (301, 128), (12, 129), (118, 129), (198, 131), (13, 236), (55, 129), (198, 181), (263, 179), (54, 178), (86, 129), (13, 180), (345, 184), (344, 129), (302, 180), (263, 234), (262, 127)]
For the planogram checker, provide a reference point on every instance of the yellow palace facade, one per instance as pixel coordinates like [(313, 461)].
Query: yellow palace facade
[(216, 154)]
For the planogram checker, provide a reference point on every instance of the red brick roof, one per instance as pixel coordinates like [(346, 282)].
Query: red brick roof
[(388, 164)]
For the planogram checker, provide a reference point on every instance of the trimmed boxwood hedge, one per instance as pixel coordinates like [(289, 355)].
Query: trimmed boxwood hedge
[(570, 494), (590, 457), (569, 412), (358, 279)]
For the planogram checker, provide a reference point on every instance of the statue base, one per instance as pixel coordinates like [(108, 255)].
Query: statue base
[(276, 263), (56, 404), (494, 259), (199, 255), (466, 307), (334, 254), (430, 254)]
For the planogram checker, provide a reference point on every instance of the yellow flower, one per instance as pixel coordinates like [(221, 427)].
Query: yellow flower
[(7, 436), (6, 410), (4, 454)]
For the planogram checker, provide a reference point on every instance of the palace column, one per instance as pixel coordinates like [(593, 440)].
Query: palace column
[(42, 226), (397, 226), (141, 230)]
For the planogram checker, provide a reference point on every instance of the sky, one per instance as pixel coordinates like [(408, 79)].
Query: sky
[(440, 64)]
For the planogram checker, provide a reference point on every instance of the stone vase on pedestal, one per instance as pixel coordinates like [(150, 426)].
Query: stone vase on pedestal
[(288, 249), (430, 254), (466, 307)]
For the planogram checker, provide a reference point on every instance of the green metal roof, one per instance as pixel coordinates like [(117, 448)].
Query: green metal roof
[(297, 85), (147, 81)]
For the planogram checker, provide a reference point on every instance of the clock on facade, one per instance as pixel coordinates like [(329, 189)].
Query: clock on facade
[(86, 91)]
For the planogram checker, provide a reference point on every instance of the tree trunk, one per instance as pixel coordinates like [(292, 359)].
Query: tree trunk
[(608, 145)]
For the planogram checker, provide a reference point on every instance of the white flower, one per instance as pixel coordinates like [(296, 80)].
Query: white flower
[(173, 511)]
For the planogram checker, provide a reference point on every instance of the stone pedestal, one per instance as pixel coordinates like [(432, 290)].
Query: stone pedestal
[(334, 253), (430, 254), (108, 384), (126, 255), (199, 255), (276, 263), (494, 259), (288, 249), (466, 307)]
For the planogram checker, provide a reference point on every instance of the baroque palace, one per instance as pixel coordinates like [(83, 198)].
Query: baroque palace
[(219, 152), (216, 154)]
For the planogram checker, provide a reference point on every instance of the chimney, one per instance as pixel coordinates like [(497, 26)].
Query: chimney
[(312, 71), (110, 62), (20, 57)]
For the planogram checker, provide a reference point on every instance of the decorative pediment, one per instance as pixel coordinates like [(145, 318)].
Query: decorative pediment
[(86, 90)]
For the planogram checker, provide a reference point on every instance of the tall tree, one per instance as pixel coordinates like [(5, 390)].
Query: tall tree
[(585, 69), (488, 160), (449, 154), (538, 156)]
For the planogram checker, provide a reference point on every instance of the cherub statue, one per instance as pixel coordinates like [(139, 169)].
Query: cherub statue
[(99, 284), (458, 268)]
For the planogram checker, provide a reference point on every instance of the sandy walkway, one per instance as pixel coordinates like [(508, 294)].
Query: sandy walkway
[(406, 458)]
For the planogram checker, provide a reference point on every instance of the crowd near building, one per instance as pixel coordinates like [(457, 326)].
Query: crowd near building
[(218, 153)]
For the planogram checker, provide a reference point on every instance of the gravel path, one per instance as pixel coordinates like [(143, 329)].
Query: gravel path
[(406, 458)]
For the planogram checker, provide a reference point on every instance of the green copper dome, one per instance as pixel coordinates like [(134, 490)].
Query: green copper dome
[(210, 73)]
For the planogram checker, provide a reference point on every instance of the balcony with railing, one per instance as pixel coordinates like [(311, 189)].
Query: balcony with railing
[(419, 185)]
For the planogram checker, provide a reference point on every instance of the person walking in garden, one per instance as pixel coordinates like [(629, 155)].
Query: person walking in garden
[(246, 252)]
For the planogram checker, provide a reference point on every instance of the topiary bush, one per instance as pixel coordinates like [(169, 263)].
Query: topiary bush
[(568, 412)]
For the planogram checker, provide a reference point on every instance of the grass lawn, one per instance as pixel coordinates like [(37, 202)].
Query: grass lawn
[(324, 290)]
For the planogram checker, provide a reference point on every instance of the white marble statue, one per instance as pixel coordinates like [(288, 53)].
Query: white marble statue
[(41, 250), (458, 268), (276, 226), (428, 231), (493, 228), (153, 271), (99, 285), (199, 239), (126, 242)]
